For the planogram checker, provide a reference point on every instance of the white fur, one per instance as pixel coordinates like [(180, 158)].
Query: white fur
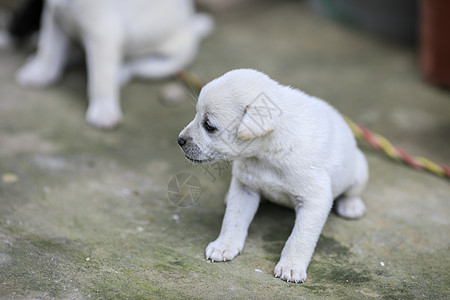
[(122, 39), (291, 148)]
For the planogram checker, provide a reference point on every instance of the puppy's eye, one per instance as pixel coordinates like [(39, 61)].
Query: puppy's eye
[(208, 127)]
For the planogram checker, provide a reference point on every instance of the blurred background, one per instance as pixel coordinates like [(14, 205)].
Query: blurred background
[(421, 25)]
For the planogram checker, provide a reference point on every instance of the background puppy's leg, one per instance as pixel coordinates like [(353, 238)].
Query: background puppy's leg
[(154, 67), (46, 66), (350, 205), (240, 210), (171, 57), (311, 216), (103, 58)]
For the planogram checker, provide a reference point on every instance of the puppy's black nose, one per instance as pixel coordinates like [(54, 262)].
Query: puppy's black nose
[(181, 141)]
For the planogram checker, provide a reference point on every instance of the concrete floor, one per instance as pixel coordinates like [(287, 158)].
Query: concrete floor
[(88, 214)]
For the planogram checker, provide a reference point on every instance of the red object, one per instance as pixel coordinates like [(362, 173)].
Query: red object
[(435, 41)]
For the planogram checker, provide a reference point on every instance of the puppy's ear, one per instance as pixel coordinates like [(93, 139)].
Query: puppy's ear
[(256, 122)]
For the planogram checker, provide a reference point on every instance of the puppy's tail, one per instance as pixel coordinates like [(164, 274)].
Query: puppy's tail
[(203, 25)]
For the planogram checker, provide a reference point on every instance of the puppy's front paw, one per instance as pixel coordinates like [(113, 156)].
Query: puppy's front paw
[(222, 251), (290, 272), (104, 114), (35, 73)]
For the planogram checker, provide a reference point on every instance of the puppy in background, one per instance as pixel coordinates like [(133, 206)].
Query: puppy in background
[(122, 39), (291, 148)]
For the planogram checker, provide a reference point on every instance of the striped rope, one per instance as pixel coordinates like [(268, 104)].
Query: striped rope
[(375, 140), (380, 143)]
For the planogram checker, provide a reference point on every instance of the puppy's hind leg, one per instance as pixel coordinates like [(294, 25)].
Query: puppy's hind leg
[(171, 56), (350, 204), (46, 66), (152, 67)]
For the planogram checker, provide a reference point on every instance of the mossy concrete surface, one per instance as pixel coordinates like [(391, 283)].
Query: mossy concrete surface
[(86, 214)]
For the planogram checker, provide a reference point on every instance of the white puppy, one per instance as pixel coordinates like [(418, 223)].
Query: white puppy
[(122, 39), (291, 148)]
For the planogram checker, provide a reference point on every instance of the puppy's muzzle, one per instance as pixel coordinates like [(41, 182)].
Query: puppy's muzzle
[(188, 146), (191, 150)]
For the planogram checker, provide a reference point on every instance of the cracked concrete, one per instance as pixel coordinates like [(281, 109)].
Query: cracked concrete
[(88, 215)]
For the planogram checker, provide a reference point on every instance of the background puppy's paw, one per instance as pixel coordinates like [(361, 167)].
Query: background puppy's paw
[(36, 74), (104, 114), (203, 25), (290, 272), (222, 251), (350, 208), (172, 93)]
